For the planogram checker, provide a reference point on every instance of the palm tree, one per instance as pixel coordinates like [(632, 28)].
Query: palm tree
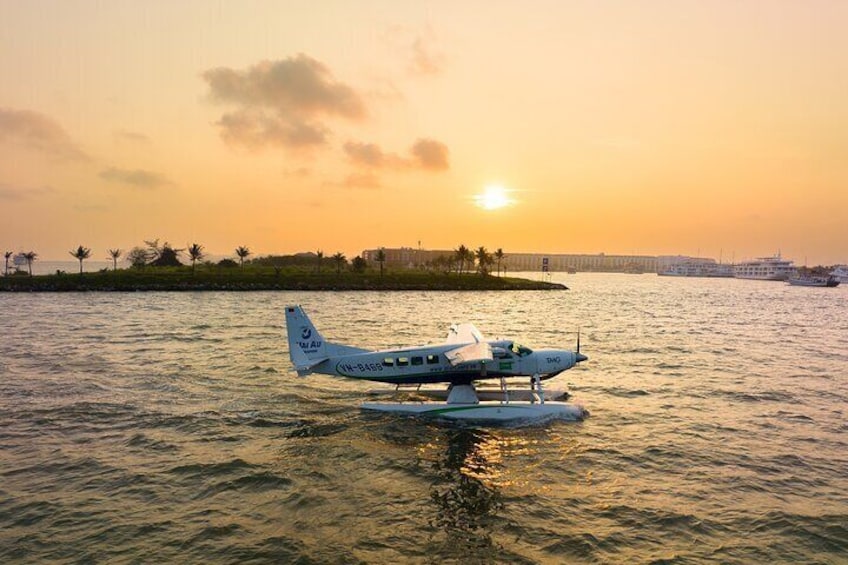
[(81, 253), (484, 260), (7, 255), (469, 258), (358, 264), (242, 253), (195, 253), (320, 255), (163, 255), (154, 250), (448, 263), (169, 257), (461, 254), (115, 253), (499, 255), (381, 258), (340, 260), (451, 263), (30, 256), (442, 263)]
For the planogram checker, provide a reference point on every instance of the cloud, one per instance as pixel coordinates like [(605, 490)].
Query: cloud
[(357, 180), (300, 172), (9, 192), (257, 129), (424, 60), (425, 154), (38, 132), (431, 154), (137, 178), (416, 47), (365, 153), (283, 102), (125, 135)]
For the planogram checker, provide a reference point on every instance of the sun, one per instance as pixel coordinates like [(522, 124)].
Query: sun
[(492, 198)]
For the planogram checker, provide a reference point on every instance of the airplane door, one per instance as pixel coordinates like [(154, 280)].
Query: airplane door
[(528, 364)]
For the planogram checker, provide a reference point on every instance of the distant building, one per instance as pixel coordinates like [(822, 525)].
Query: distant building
[(409, 257), (600, 262)]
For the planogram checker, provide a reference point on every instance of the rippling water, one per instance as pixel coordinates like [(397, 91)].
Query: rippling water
[(167, 427)]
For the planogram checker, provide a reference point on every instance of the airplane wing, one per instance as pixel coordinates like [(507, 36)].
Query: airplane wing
[(467, 353), (464, 333)]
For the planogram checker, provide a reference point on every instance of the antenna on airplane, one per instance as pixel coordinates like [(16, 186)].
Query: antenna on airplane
[(578, 339)]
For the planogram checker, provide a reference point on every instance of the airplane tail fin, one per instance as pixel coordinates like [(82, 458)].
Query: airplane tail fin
[(307, 347)]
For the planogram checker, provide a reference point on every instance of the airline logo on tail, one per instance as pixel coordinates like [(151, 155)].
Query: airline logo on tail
[(310, 346), (306, 343)]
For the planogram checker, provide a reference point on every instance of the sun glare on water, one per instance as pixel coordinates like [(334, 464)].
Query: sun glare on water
[(492, 198)]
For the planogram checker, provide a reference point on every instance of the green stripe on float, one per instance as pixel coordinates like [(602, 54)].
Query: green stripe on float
[(463, 408)]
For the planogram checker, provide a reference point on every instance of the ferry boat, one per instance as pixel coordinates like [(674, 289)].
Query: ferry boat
[(840, 273), (692, 268), (829, 281), (765, 269)]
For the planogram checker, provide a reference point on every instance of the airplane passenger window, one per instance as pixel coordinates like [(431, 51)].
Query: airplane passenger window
[(417, 360), (388, 362), (402, 361), (432, 359)]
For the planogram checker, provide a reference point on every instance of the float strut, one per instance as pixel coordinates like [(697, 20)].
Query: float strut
[(536, 388), (505, 398)]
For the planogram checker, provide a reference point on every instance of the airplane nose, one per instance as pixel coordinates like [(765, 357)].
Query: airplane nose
[(578, 357)]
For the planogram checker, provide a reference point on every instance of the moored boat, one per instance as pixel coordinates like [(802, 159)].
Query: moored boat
[(841, 273), (766, 269), (829, 281), (688, 267)]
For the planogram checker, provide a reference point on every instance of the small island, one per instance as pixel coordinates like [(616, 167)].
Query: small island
[(179, 279), (159, 269)]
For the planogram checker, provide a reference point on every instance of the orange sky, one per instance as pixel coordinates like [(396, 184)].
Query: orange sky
[(650, 127)]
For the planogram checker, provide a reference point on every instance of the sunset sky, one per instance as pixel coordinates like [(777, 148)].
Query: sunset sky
[(644, 127)]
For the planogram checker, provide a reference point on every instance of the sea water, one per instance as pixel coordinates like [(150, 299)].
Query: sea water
[(166, 427)]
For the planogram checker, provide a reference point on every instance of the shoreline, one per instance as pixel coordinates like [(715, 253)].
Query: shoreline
[(177, 281)]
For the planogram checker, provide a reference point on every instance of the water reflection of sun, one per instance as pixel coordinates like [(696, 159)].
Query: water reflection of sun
[(484, 457)]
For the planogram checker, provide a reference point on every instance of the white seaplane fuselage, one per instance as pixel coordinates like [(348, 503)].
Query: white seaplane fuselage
[(429, 364), (464, 358)]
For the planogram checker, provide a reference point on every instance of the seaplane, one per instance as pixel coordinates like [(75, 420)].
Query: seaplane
[(462, 362)]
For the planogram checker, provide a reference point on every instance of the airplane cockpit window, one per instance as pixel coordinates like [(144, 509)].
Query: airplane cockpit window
[(521, 350), (500, 353)]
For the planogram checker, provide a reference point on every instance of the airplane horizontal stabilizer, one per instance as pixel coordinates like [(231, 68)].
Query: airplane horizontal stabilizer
[(302, 363), (469, 353)]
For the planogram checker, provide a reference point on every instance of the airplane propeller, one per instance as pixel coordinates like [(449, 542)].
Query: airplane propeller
[(578, 357)]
